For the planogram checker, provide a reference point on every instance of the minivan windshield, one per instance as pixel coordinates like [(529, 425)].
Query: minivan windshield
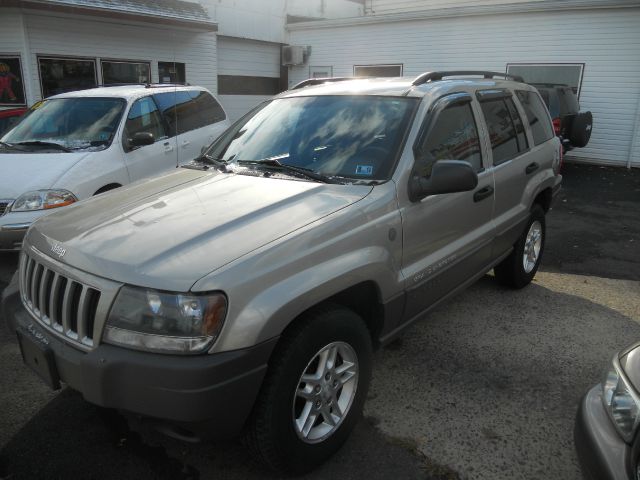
[(70, 123), (351, 136)]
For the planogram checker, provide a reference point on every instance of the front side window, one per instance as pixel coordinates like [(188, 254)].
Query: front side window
[(59, 75), (537, 116), (502, 132), (74, 123), (143, 117), (454, 136), (351, 136)]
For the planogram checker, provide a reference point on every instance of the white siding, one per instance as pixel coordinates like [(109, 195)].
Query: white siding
[(84, 37), (246, 57), (237, 105), (250, 58), (607, 41), (382, 7)]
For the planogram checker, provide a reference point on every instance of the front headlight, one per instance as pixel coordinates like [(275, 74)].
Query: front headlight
[(43, 200), (621, 402), (165, 322)]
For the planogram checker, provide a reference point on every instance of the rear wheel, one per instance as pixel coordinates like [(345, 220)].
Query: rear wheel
[(314, 391), (519, 268)]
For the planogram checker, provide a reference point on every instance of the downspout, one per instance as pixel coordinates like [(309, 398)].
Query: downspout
[(29, 92), (635, 140)]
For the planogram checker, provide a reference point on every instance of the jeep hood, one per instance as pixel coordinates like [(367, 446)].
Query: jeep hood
[(170, 231), (23, 172)]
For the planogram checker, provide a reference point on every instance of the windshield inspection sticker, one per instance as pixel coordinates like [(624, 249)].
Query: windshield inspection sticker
[(364, 170)]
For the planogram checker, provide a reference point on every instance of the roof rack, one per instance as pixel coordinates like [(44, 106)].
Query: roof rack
[(145, 85), (317, 81), (435, 76)]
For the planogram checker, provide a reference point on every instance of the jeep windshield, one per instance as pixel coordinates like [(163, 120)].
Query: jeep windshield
[(354, 137), (64, 124)]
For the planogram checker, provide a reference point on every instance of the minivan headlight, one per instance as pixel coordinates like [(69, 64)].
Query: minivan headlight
[(165, 322), (621, 402), (43, 200)]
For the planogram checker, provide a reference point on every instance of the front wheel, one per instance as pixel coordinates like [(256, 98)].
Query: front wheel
[(519, 268), (314, 391)]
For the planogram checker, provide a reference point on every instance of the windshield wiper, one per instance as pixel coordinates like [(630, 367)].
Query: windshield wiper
[(39, 143), (275, 162), (9, 145)]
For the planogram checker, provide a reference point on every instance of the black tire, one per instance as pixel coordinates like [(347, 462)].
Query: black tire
[(581, 129), (511, 271), (270, 434)]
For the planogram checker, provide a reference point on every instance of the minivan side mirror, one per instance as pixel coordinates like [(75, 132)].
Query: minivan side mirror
[(447, 176), (141, 139)]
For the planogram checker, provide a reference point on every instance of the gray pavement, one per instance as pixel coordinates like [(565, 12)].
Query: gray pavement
[(486, 388)]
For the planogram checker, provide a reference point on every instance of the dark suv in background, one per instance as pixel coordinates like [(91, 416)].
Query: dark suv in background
[(569, 123)]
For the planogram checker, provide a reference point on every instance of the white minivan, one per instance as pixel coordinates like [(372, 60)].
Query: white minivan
[(74, 145)]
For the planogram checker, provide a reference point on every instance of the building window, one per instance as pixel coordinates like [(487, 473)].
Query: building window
[(117, 71), (377, 70), (320, 72), (171, 72), (245, 85), (569, 74), (11, 82), (59, 75)]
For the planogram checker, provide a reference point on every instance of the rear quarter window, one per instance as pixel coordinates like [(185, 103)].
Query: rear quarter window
[(537, 116)]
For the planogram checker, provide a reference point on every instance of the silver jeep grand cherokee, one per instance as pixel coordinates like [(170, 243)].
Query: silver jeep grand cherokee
[(245, 293)]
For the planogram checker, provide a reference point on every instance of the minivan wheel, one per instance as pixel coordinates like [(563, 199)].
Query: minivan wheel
[(314, 391), (519, 268)]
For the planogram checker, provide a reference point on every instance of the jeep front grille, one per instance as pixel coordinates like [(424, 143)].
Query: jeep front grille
[(59, 302)]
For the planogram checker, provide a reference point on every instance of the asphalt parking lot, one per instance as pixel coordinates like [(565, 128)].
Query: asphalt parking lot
[(486, 388)]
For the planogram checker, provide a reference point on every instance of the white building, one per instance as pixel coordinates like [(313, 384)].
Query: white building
[(233, 47)]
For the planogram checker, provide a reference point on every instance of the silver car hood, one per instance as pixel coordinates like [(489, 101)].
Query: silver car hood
[(170, 231)]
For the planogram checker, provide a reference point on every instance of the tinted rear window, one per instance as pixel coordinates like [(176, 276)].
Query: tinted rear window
[(188, 110), (537, 116), (502, 132)]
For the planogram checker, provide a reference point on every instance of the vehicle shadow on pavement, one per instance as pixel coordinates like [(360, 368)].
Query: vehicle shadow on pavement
[(489, 385)]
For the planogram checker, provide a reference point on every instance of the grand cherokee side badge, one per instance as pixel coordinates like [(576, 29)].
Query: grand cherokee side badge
[(58, 249)]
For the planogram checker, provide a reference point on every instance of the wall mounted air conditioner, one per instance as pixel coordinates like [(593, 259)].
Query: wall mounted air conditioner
[(295, 55)]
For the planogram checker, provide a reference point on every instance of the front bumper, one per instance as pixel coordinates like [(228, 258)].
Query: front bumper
[(209, 395), (14, 226), (602, 453)]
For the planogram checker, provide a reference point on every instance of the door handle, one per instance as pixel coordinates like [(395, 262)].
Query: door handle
[(483, 193), (532, 167), (168, 147), (185, 143)]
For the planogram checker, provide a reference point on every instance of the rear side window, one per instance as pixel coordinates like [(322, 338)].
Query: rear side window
[(454, 136), (537, 116), (188, 110), (502, 131), (523, 144), (209, 109)]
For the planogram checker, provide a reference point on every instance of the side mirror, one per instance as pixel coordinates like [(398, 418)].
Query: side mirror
[(141, 139), (447, 176)]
